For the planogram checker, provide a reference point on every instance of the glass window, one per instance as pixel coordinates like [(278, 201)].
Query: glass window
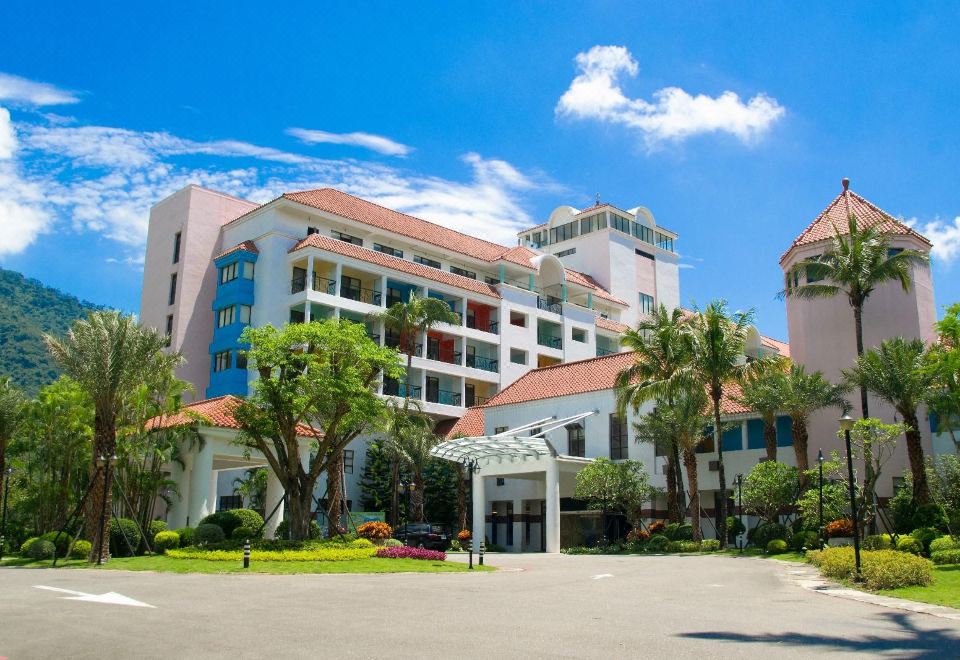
[(312, 230), (491, 280), (518, 356), (248, 270), (226, 316), (564, 253), (386, 249), (241, 360), (426, 261), (169, 332), (463, 272), (664, 242), (618, 438), (348, 461), (221, 361), (563, 232), (228, 273), (646, 304), (346, 238), (500, 429), (245, 314), (814, 272), (172, 296), (176, 247), (576, 443), (620, 223), (579, 334)]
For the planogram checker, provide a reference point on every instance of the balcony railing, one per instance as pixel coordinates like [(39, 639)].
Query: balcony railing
[(550, 305), (445, 397), (604, 351), (393, 388), (476, 400), (368, 296), (441, 355), (479, 362), (298, 284), (493, 327), (550, 340), (323, 284)]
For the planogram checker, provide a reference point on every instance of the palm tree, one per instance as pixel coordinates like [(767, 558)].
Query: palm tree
[(404, 419), (11, 414), (803, 395), (858, 262), (895, 371), (661, 356), (413, 449), (717, 340), (252, 487), (414, 318), (763, 392), (109, 356)]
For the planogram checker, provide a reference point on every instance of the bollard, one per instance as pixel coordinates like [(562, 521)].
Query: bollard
[(482, 548), (246, 554), (470, 550)]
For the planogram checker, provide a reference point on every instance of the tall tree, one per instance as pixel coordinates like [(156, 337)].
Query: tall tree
[(412, 446), (857, 263), (895, 371), (109, 356), (943, 363), (661, 359), (317, 381), (252, 487), (717, 341), (763, 392), (614, 487), (11, 415)]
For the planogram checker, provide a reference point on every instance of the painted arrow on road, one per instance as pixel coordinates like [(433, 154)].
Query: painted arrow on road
[(109, 598)]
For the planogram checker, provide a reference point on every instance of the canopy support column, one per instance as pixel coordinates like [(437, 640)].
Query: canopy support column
[(479, 511), (552, 497)]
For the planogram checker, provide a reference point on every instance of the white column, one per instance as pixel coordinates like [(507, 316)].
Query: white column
[(383, 290), (214, 498), (337, 273), (310, 273), (274, 495), (518, 525), (200, 476), (552, 497), (479, 511), (463, 312), (307, 308), (180, 505)]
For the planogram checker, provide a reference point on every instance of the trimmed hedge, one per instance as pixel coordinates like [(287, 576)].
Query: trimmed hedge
[(776, 546), (209, 533), (164, 541), (124, 537), (155, 527), (946, 556), (242, 533), (710, 545), (327, 552), (943, 543), (678, 532), (80, 549), (188, 536), (877, 542), (25, 546), (762, 535), (658, 543), (283, 530), (881, 569), (41, 549), (62, 543), (233, 518), (910, 545)]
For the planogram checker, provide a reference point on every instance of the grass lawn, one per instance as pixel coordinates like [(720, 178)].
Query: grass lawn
[(164, 564), (796, 557), (945, 589)]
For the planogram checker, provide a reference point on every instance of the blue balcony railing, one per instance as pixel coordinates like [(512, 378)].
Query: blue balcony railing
[(550, 304), (445, 397), (550, 340), (394, 388), (480, 362)]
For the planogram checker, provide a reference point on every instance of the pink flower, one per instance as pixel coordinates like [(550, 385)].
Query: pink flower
[(406, 552)]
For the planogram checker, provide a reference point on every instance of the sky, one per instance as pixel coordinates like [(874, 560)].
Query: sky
[(732, 122)]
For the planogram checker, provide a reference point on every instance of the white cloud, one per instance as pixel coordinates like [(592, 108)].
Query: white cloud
[(673, 115), (944, 235), (17, 90), (8, 137), (22, 217), (378, 143)]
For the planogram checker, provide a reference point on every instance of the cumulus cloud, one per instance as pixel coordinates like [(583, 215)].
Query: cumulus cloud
[(378, 143), (22, 217), (673, 115), (16, 90), (944, 235)]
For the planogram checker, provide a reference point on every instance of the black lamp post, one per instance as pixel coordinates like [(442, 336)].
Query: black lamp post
[(846, 424), (820, 503), (6, 495), (739, 482)]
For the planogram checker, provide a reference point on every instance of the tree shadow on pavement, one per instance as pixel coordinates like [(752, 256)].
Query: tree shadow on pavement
[(906, 640)]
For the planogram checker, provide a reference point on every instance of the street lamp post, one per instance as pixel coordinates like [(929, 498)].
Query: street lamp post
[(820, 503), (739, 482), (6, 495), (846, 424)]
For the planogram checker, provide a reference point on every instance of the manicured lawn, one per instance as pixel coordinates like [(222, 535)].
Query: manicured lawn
[(796, 557), (164, 564), (945, 589)]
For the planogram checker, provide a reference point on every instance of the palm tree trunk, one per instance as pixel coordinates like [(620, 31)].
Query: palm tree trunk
[(921, 489), (800, 449), (770, 439), (334, 490), (100, 502), (690, 463), (673, 510), (858, 323), (416, 496), (678, 475), (722, 505)]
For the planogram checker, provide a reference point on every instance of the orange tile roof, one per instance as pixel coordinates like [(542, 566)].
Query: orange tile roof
[(613, 326), (586, 281), (217, 411), (395, 263), (781, 347), (582, 376), (837, 213), (471, 424), (246, 246), (519, 255)]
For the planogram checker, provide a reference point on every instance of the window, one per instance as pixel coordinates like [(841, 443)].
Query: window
[(297, 316), (176, 248), (580, 335), (620, 223), (814, 272), (241, 361), (386, 249), (664, 242), (646, 304), (564, 253), (563, 232), (645, 255), (245, 314), (426, 261), (535, 431), (643, 232), (517, 356), (892, 252), (226, 316), (172, 296), (576, 444), (221, 361), (500, 429), (169, 333), (501, 481), (348, 461), (463, 272), (586, 225), (346, 238), (312, 230), (229, 272), (248, 270), (618, 438), (518, 319)]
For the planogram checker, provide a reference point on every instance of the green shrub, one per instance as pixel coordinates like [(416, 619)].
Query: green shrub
[(187, 536), (41, 549), (155, 527), (62, 543), (776, 546), (284, 527), (164, 541), (678, 532), (209, 533), (804, 541), (658, 543), (454, 545), (881, 569), (909, 544), (686, 546), (124, 537), (943, 543), (80, 549), (908, 515), (951, 556), (229, 520), (394, 543), (926, 535), (25, 546), (242, 533), (734, 528), (710, 545), (877, 542), (762, 535)]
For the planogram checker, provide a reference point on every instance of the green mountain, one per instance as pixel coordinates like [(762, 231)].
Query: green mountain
[(28, 309)]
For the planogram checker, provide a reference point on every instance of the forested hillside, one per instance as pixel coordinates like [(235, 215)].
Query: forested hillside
[(27, 310)]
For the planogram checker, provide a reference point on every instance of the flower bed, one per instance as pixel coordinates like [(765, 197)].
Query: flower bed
[(406, 552), (882, 569), (328, 552)]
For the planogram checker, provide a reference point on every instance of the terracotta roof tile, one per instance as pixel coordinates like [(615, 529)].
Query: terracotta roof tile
[(519, 255), (586, 281), (613, 326), (781, 347), (217, 411), (395, 263), (246, 246), (471, 424), (836, 215)]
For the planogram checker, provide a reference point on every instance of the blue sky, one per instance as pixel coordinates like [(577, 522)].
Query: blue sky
[(733, 125)]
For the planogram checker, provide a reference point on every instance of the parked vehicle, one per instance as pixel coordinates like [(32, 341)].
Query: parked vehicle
[(424, 535)]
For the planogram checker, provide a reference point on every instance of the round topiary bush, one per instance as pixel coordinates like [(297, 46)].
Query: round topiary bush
[(909, 544), (164, 541), (207, 533), (41, 549), (25, 546), (62, 542), (943, 543), (776, 546), (187, 536), (244, 533), (233, 518), (283, 530), (155, 527), (658, 543), (124, 537), (946, 556), (394, 543), (926, 536), (80, 549), (762, 535), (877, 542), (806, 540)]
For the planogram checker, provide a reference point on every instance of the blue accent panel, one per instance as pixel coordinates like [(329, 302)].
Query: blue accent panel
[(933, 422), (238, 291), (403, 287), (732, 439), (230, 381), (439, 296), (755, 434), (784, 431)]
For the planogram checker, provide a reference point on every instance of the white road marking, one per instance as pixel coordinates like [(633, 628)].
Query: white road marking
[(109, 598), (601, 576)]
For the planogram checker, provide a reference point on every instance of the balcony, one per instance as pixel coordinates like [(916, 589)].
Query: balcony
[(446, 397), (368, 296), (550, 341), (550, 304), (395, 388), (323, 284), (298, 284), (484, 363), (604, 351), (493, 327), (441, 355)]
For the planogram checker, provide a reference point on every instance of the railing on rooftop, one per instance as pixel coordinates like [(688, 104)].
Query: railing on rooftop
[(550, 305), (480, 362)]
